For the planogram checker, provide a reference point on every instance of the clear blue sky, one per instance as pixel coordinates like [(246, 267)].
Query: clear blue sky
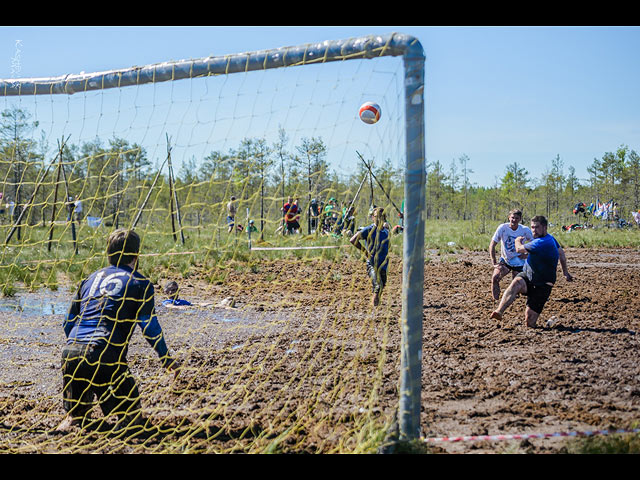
[(496, 94)]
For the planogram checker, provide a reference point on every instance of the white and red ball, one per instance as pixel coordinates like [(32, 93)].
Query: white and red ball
[(370, 112)]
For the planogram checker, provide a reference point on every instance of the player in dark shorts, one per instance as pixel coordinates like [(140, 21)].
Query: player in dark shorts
[(376, 238), (539, 272), (101, 320), (510, 260)]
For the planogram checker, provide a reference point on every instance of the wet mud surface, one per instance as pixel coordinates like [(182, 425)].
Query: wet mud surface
[(303, 364)]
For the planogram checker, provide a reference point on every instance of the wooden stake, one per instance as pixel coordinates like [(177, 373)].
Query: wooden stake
[(55, 199), (174, 198), (378, 182), (146, 200), (28, 205), (70, 206)]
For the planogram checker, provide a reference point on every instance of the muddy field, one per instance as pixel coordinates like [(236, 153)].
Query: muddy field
[(302, 364)]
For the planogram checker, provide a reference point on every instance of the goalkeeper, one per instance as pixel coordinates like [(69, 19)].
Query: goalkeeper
[(98, 327)]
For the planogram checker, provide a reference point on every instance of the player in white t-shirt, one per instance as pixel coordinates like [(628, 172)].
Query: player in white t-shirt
[(510, 260)]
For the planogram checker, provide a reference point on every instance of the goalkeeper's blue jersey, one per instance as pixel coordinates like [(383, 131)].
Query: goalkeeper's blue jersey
[(108, 305)]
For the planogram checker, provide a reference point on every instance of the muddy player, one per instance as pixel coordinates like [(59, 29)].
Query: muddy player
[(172, 290), (538, 274), (107, 307), (376, 238), (510, 260)]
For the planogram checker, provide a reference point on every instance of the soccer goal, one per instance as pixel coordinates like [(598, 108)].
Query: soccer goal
[(200, 157)]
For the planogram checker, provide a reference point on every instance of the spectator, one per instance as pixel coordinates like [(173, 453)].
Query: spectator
[(291, 216), (231, 213)]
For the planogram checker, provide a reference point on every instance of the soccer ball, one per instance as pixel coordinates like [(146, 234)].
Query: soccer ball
[(370, 112)]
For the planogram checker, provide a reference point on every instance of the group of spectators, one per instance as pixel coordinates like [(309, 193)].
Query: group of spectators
[(9, 208), (324, 218)]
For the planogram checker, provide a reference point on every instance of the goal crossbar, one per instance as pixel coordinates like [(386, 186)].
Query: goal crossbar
[(367, 47)]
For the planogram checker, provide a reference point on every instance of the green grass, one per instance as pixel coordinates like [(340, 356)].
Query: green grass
[(28, 263), (449, 236), (600, 238), (606, 444), (470, 235)]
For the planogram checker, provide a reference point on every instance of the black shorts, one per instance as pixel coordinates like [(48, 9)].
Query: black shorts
[(510, 267), (89, 371), (537, 295)]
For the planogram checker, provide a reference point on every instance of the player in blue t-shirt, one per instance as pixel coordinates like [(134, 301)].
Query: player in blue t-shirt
[(538, 274), (102, 317), (171, 289), (376, 238)]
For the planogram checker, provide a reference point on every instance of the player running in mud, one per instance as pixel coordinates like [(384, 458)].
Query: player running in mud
[(538, 274), (376, 238), (510, 260)]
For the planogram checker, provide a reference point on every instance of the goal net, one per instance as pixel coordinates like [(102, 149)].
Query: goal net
[(280, 347)]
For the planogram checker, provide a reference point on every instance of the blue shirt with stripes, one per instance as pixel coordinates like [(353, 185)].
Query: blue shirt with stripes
[(107, 307), (377, 245)]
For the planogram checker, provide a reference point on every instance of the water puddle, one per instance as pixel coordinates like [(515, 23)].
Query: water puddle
[(35, 304), (47, 302)]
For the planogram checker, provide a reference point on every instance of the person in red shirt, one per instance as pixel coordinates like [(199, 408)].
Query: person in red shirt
[(291, 216)]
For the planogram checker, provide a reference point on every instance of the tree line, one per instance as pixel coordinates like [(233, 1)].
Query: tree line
[(615, 176), (113, 177)]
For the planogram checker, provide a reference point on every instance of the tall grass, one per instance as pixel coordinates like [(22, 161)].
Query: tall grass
[(600, 238), (474, 236), (610, 444), (209, 251)]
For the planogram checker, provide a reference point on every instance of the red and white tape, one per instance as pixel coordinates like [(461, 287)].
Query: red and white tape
[(473, 438)]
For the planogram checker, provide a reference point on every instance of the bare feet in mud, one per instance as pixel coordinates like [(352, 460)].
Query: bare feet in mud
[(68, 424)]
